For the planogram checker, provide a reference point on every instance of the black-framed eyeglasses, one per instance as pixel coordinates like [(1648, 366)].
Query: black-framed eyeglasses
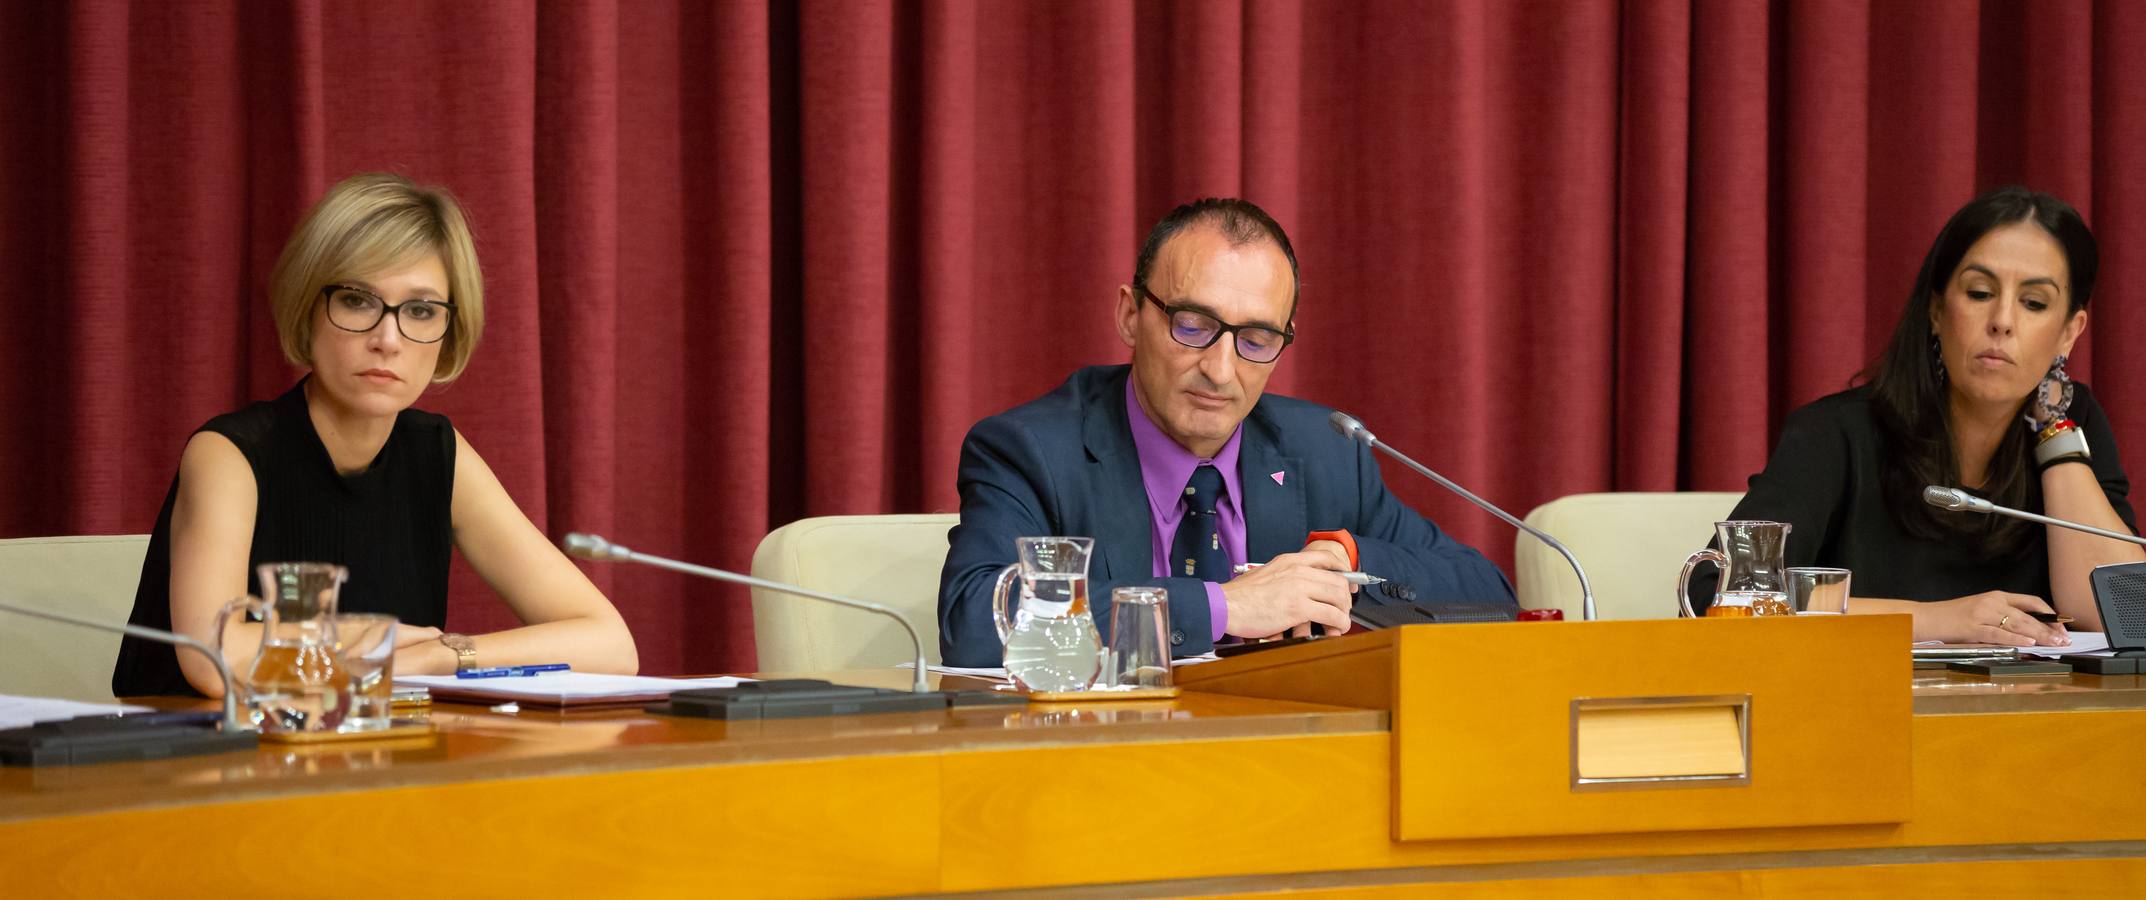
[(356, 309), (1198, 330)]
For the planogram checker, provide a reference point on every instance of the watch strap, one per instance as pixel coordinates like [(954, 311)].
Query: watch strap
[(2062, 442), (1339, 536), (464, 648)]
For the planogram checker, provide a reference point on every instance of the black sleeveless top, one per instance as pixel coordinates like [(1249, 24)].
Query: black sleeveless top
[(390, 525), (1826, 480)]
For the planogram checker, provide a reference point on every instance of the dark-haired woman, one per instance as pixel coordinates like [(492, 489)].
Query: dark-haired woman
[(1971, 393)]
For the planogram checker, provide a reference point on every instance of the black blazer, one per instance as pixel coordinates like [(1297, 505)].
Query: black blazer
[(1826, 481), (1064, 464)]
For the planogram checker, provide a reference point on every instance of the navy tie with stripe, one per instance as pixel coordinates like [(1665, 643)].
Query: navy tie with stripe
[(1197, 550)]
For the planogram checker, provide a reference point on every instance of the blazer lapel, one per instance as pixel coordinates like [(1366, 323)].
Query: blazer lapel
[(1275, 520), (1124, 532)]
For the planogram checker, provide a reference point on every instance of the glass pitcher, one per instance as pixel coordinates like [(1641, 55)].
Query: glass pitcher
[(296, 682), (1050, 638), (1752, 562)]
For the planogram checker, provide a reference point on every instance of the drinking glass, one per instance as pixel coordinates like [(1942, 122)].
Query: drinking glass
[(1818, 592), (1139, 654), (366, 644)]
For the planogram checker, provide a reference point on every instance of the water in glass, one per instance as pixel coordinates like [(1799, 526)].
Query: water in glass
[(1053, 646), (1050, 639), (365, 644)]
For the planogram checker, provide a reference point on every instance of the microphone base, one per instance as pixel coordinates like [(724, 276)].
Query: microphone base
[(811, 698), (100, 739)]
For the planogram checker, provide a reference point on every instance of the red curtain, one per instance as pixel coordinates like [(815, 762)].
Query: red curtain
[(755, 261)]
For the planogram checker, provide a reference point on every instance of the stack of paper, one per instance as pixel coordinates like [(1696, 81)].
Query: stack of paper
[(2092, 643), (22, 712), (561, 688)]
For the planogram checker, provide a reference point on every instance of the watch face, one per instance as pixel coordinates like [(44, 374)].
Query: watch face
[(458, 643)]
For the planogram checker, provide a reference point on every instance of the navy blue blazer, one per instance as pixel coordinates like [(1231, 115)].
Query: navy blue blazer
[(1064, 464)]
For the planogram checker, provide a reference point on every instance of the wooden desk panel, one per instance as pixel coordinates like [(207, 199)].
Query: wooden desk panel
[(1943, 692), (476, 744), (1201, 787), (1514, 726), (862, 825), (2086, 877), (1130, 813)]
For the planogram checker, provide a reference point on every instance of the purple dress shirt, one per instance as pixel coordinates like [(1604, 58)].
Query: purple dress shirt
[(1165, 467)]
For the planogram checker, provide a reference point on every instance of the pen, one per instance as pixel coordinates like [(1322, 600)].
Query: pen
[(512, 671), (1356, 578)]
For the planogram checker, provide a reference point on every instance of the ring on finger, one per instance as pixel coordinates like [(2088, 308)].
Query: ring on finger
[(2001, 620)]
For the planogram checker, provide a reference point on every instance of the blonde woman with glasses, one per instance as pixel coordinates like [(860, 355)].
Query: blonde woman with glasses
[(377, 296)]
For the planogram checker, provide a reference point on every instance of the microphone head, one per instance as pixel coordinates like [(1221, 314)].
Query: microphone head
[(1949, 498), (1350, 428), (589, 546)]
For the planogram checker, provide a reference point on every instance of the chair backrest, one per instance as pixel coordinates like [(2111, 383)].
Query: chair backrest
[(1631, 544), (91, 576), (894, 560)]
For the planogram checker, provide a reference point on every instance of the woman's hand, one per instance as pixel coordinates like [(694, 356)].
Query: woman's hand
[(2051, 401), (1991, 617)]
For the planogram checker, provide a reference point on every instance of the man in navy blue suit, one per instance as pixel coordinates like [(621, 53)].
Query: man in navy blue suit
[(1181, 469)]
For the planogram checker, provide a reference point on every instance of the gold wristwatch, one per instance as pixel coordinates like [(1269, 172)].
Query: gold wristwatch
[(464, 648)]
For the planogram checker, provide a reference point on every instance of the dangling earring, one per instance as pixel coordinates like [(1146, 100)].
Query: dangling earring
[(2056, 370), (1937, 358)]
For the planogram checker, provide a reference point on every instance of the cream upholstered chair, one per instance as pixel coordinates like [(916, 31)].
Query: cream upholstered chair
[(893, 560), (1632, 545), (91, 576)]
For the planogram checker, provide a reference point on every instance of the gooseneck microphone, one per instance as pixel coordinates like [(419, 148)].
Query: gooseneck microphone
[(589, 546), (232, 721), (1354, 430), (1962, 501)]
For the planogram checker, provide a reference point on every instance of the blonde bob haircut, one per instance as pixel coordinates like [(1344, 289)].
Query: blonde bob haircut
[(367, 224)]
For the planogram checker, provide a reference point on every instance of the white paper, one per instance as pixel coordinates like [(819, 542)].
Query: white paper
[(2082, 643), (2093, 642), (557, 686), (19, 712), (1001, 675)]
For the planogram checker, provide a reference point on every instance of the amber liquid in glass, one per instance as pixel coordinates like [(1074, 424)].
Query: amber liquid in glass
[(297, 687), (1744, 604)]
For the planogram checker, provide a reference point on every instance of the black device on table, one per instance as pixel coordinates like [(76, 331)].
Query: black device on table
[(1372, 617), (2010, 668), (121, 738), (799, 698), (2120, 595)]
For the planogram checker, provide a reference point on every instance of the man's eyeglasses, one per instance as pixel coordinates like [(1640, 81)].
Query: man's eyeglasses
[(357, 309), (1199, 331)]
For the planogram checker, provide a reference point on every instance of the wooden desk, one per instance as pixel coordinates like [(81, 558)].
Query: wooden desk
[(2017, 786)]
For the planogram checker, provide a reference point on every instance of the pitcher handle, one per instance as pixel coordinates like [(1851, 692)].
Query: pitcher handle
[(1684, 579), (1000, 615), (249, 603)]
